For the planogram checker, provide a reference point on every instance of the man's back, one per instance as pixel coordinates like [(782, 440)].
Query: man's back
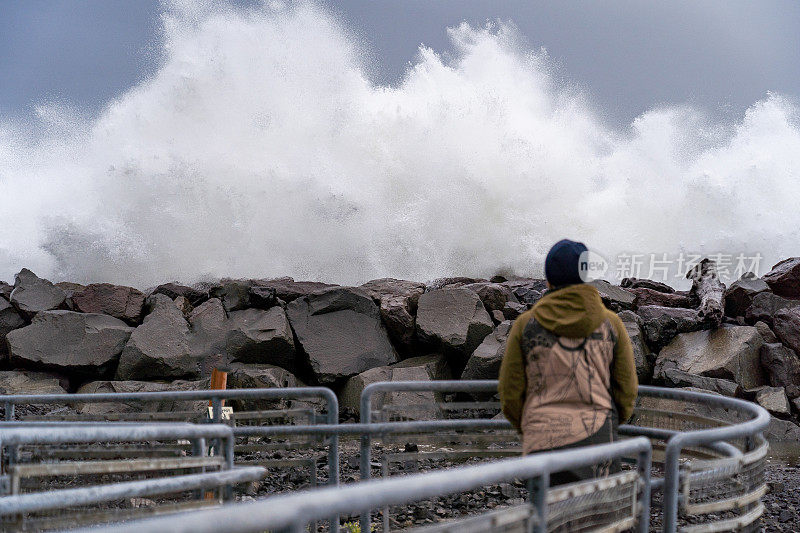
[(568, 367)]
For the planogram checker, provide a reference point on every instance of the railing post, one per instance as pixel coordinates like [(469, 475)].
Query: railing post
[(671, 484), (537, 495), (644, 461), (366, 451), (333, 453), (12, 450)]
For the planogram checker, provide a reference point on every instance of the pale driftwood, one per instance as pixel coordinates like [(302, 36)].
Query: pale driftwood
[(709, 290)]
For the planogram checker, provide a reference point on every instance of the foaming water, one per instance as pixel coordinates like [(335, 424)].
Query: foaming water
[(260, 148)]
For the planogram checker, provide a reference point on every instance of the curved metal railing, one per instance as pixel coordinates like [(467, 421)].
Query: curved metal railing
[(710, 446)]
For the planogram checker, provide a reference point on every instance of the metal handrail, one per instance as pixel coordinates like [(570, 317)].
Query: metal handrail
[(713, 438), (293, 512), (58, 499), (751, 428), (215, 396)]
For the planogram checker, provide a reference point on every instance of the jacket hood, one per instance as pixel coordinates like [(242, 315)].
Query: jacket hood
[(574, 311)]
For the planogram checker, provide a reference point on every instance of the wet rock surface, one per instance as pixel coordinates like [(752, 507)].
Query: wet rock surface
[(453, 319), (341, 333), (76, 344), (729, 353), (159, 348), (121, 302), (33, 294)]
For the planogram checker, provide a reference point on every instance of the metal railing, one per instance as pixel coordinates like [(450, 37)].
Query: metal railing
[(163, 474), (700, 450), (711, 447), (292, 513), (736, 421), (148, 406)]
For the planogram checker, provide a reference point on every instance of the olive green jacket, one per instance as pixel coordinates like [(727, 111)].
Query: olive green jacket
[(572, 312)]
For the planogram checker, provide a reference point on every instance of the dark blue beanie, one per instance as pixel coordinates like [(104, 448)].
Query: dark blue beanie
[(562, 266)]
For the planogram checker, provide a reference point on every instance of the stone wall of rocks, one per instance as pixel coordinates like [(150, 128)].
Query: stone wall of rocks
[(281, 332)]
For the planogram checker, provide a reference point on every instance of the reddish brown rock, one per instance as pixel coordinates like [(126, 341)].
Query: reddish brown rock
[(648, 296), (784, 278), (121, 302)]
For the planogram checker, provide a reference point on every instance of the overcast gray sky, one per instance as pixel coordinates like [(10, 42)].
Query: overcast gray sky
[(629, 55)]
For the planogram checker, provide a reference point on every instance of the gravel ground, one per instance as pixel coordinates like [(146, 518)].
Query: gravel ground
[(782, 503)]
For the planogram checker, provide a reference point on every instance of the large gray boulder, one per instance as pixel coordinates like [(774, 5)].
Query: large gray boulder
[(766, 332), (75, 344), (121, 302), (786, 324), (233, 293), (9, 321), (260, 376), (416, 405), (248, 335), (27, 382), (453, 319), (33, 294), (773, 399), (739, 296), (641, 353), (263, 297), (784, 278), (209, 328), (494, 296), (614, 297), (341, 333), (729, 353), (782, 367), (765, 305), (259, 336), (662, 324), (159, 348), (398, 304), (484, 363), (677, 378)]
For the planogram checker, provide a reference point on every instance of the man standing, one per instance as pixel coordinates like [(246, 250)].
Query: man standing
[(568, 373)]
